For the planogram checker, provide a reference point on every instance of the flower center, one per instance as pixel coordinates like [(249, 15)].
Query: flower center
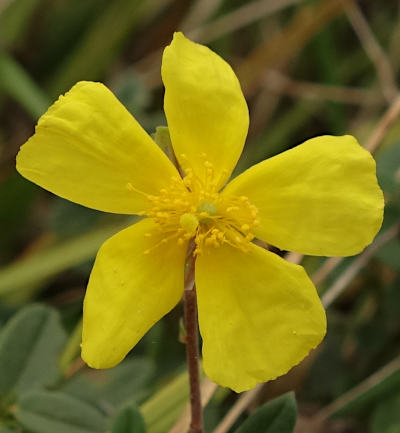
[(195, 210)]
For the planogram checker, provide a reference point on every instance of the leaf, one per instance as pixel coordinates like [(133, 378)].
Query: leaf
[(30, 344), (49, 262), (6, 430), (14, 20), (165, 406), (386, 417), (69, 219), (19, 85), (129, 420), (115, 387), (388, 172), (50, 412), (277, 416), (103, 42)]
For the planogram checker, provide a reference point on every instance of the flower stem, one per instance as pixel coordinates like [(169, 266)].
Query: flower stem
[(192, 348)]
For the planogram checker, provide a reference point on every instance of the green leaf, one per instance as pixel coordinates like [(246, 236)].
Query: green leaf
[(386, 417), (47, 412), (277, 416), (14, 20), (164, 407), (30, 344), (17, 83), (114, 387), (6, 430), (69, 219), (129, 420), (388, 172), (103, 42), (49, 262)]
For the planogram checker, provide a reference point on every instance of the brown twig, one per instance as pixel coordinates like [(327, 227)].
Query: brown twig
[(192, 347)]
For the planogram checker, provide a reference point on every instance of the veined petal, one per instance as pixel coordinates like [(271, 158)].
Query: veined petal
[(87, 148), (205, 108), (319, 198), (129, 291), (259, 315)]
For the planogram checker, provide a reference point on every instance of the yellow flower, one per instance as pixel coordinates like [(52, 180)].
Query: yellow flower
[(259, 315)]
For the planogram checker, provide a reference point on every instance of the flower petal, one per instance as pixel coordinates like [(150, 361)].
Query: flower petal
[(319, 198), (87, 148), (205, 108), (129, 291), (259, 315)]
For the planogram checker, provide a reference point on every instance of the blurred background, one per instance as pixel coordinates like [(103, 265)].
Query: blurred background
[(307, 67)]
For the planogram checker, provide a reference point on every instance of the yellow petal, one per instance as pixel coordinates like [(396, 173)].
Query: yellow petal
[(319, 198), (205, 108), (129, 291), (259, 315), (87, 148)]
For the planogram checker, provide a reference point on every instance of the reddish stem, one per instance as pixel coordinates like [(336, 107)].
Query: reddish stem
[(192, 348)]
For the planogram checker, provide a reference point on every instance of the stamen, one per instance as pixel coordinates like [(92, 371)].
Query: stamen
[(192, 208)]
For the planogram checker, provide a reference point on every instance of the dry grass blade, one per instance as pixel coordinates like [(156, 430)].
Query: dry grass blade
[(327, 267), (199, 13), (278, 83), (237, 409), (208, 389), (347, 276), (374, 51), (285, 45), (384, 124), (360, 389), (149, 67), (239, 18)]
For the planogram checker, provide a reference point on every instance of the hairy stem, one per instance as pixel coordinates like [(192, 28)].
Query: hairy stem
[(192, 348)]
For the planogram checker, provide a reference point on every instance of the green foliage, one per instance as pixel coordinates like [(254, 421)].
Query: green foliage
[(129, 420), (101, 44), (14, 21), (162, 409), (29, 348), (17, 83), (277, 416), (124, 383), (55, 259), (386, 417), (49, 412), (388, 165)]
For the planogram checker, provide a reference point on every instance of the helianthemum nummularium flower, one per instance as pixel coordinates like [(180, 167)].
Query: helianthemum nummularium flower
[(259, 315)]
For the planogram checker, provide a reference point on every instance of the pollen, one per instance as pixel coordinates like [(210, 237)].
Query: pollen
[(192, 208)]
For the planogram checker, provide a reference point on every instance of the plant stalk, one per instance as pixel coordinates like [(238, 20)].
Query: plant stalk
[(192, 348)]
